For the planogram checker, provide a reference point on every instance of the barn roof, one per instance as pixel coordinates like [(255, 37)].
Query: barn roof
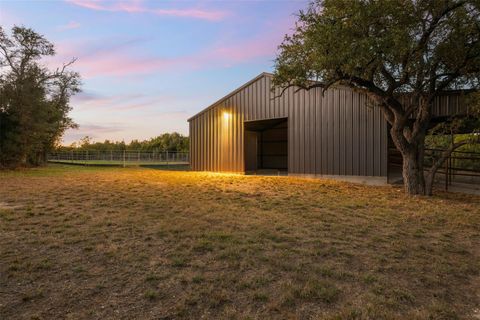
[(261, 75)]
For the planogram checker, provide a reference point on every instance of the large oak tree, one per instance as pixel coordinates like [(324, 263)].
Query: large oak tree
[(389, 49), (34, 100)]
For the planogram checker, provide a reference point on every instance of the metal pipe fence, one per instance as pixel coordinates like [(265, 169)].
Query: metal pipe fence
[(460, 167), (124, 158)]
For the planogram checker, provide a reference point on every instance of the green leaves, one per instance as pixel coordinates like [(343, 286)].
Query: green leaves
[(34, 101), (397, 45)]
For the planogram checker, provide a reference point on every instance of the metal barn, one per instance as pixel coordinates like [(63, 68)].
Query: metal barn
[(339, 134)]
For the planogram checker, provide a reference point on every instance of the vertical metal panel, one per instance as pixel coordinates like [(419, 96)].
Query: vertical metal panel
[(376, 146), (354, 124), (324, 136), (207, 142), (261, 97), (384, 146), (204, 150), (300, 112), (318, 131), (362, 134), (312, 118), (253, 97), (256, 105), (289, 99), (193, 151), (240, 150), (276, 102), (196, 137), (348, 142), (298, 133), (331, 132), (245, 103), (218, 159), (370, 122), (229, 141), (305, 111), (336, 132), (200, 144), (341, 131), (265, 101)]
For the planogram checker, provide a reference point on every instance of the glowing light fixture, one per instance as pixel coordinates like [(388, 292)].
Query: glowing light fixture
[(226, 115)]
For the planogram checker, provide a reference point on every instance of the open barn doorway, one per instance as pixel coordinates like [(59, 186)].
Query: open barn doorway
[(266, 146)]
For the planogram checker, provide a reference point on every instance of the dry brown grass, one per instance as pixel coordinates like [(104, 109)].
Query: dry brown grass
[(84, 243)]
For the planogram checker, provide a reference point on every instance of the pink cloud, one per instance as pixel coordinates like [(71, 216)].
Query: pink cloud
[(122, 57), (85, 101), (70, 25), (136, 6)]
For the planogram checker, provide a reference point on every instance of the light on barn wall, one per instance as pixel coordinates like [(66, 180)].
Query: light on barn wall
[(225, 157), (226, 116)]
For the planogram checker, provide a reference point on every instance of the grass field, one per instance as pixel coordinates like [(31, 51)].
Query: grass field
[(111, 243)]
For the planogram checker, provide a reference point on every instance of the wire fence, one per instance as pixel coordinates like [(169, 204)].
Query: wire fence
[(123, 158)]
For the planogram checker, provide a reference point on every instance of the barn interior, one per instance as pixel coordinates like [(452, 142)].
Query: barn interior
[(266, 146)]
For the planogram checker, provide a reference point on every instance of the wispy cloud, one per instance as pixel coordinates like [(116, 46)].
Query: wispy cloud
[(87, 100), (94, 131), (121, 58), (70, 25), (137, 6), (92, 128), (90, 100)]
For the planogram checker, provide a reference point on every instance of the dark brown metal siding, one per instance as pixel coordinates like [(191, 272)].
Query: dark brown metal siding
[(330, 134), (445, 104)]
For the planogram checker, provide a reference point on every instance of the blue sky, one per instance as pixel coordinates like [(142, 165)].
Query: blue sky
[(147, 66)]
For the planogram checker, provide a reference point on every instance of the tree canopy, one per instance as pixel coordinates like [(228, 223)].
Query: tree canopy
[(172, 142), (34, 101), (388, 49)]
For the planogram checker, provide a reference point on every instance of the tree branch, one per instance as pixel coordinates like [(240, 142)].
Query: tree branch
[(447, 153), (58, 72)]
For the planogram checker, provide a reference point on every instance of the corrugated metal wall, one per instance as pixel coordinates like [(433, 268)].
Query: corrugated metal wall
[(339, 133), (333, 134), (445, 104)]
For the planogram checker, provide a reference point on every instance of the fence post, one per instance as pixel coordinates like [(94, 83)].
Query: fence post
[(446, 175), (138, 156), (124, 158), (450, 174), (167, 158)]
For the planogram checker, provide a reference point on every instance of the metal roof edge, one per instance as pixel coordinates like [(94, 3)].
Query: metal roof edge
[(261, 75)]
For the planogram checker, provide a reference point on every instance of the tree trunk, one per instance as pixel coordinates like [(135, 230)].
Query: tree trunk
[(410, 173), (420, 161), (412, 156), (429, 184)]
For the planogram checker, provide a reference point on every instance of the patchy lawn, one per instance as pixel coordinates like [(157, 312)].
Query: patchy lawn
[(111, 243)]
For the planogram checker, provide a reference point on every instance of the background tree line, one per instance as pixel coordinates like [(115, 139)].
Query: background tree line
[(172, 142), (34, 101)]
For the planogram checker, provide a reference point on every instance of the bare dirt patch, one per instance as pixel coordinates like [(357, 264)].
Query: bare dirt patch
[(86, 243)]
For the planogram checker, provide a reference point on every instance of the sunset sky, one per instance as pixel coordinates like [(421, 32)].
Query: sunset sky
[(148, 66)]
